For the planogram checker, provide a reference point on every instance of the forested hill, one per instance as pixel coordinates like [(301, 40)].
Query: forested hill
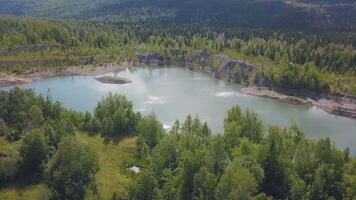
[(276, 14)]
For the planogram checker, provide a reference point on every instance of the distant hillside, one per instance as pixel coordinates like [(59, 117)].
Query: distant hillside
[(17, 7), (280, 14)]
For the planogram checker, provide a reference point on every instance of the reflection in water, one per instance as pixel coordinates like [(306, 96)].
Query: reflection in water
[(229, 94), (155, 100), (173, 93)]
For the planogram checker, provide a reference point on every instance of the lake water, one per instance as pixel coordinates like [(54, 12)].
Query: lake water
[(173, 92)]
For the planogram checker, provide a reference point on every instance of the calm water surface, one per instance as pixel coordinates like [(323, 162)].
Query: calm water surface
[(172, 93)]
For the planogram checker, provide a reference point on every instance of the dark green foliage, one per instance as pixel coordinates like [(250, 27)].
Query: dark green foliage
[(4, 129), (275, 182), (34, 152), (18, 107), (144, 187), (116, 116), (23, 110), (71, 170), (150, 131), (55, 130), (9, 169), (91, 124)]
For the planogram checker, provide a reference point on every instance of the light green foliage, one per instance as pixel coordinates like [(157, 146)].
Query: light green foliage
[(298, 188), (36, 115), (351, 180), (294, 76), (247, 154), (114, 157), (143, 189), (196, 127), (13, 40), (204, 184), (237, 183), (31, 192), (242, 124), (328, 180)]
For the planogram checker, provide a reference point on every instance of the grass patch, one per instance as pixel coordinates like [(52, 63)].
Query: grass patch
[(112, 156), (7, 147), (33, 192)]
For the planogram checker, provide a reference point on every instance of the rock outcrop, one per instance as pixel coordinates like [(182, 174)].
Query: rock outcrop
[(220, 66)]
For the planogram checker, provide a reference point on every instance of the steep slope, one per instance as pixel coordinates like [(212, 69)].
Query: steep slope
[(53, 8), (277, 14), (17, 7)]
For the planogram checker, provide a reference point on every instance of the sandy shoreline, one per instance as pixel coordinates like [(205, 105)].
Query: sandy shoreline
[(263, 92), (90, 70), (341, 108)]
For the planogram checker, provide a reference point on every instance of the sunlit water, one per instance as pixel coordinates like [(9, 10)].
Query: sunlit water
[(173, 93)]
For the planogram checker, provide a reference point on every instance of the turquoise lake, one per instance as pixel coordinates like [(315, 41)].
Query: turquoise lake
[(174, 92)]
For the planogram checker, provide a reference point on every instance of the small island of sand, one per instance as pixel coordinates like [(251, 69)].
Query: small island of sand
[(113, 80)]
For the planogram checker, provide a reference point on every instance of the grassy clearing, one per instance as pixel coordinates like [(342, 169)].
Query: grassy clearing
[(113, 157), (7, 147), (33, 192)]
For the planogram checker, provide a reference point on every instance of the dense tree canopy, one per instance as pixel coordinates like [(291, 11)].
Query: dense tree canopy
[(281, 163), (313, 61), (304, 46), (34, 153), (71, 170), (116, 116), (249, 160)]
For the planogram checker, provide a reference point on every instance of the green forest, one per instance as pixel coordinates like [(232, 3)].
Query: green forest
[(303, 48), (53, 153), (321, 63)]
